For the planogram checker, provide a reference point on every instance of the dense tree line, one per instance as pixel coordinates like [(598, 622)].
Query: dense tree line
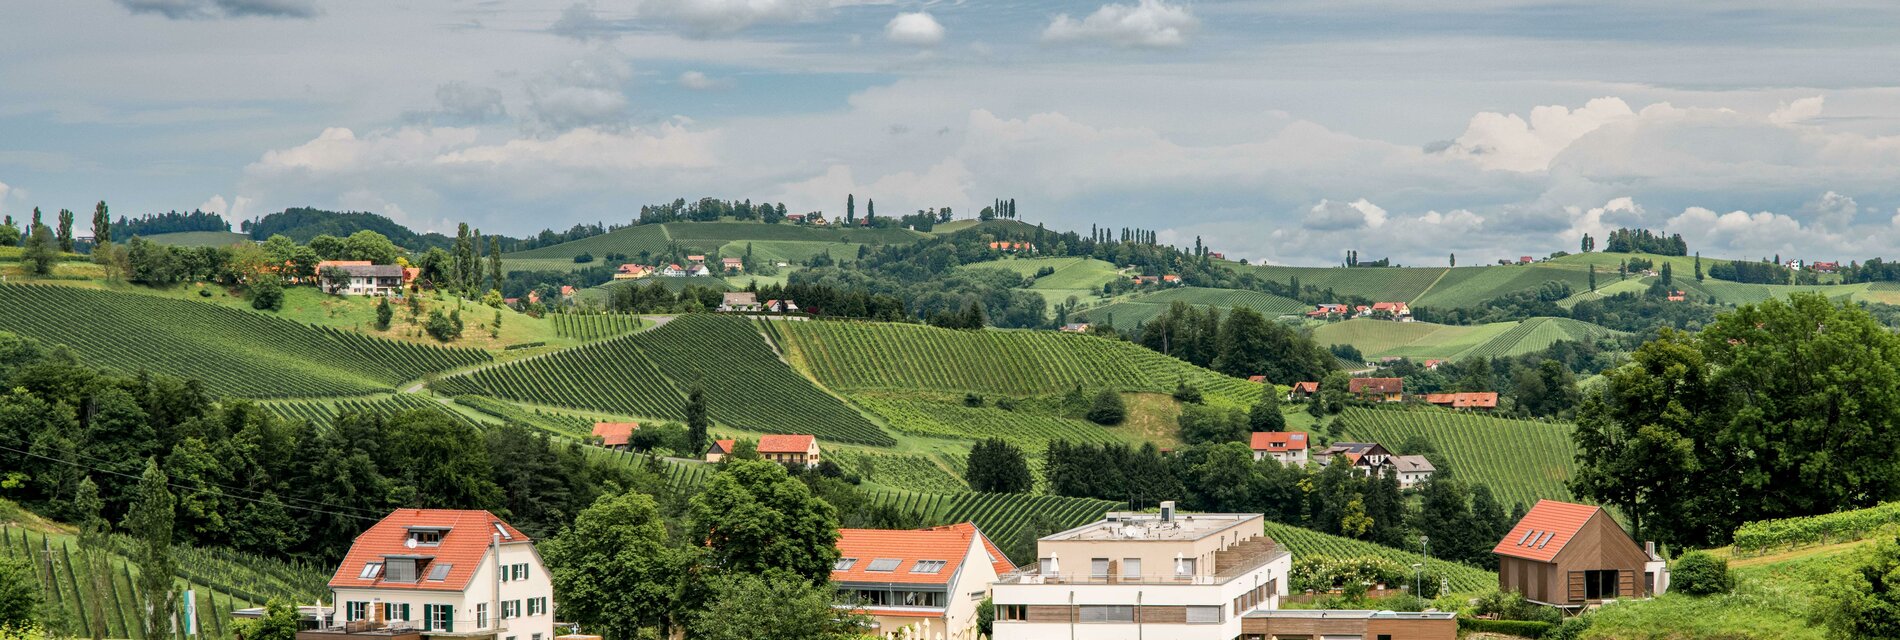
[(1239, 343), (711, 210), (1769, 412), (1644, 241), (168, 222), (303, 224), (1751, 272)]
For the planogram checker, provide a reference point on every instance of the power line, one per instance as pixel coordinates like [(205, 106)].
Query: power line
[(185, 488)]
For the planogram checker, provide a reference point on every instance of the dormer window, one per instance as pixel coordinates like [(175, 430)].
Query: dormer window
[(400, 569), (426, 536)]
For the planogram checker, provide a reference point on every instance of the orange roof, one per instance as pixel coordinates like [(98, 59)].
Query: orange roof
[(464, 544), (615, 434), (567, 290), (722, 446), (947, 543), (696, 258), (1554, 524), (1279, 440), (1256, 378), (1486, 399), (786, 444), (1309, 387), (325, 264)]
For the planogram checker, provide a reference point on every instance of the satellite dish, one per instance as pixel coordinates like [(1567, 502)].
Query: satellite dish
[(411, 543)]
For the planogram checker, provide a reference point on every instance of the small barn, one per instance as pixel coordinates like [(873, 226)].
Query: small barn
[(1571, 555)]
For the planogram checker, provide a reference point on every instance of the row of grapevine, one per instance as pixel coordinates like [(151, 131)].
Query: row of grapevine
[(233, 352), (1303, 542), (904, 357), (71, 608), (555, 423), (1029, 431), (594, 326), (682, 476), (1522, 461), (644, 374), (1788, 533), (1001, 516), (324, 412), (897, 470)]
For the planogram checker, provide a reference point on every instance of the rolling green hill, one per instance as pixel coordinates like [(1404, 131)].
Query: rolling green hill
[(647, 374), (710, 237), (1421, 340), (1470, 286), (1380, 284), (858, 356), (233, 352), (1077, 277), (1138, 310), (1521, 460)]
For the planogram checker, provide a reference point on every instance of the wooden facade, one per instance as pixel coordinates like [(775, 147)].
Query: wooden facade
[(1598, 562)]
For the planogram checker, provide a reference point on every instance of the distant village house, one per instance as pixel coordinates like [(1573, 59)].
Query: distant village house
[(1285, 447)]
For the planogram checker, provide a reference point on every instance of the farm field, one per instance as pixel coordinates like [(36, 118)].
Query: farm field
[(234, 352), (1418, 340), (1379, 284), (1081, 278), (1137, 310), (1003, 517), (1471, 286), (357, 314), (1029, 431), (1521, 460), (199, 238), (1605, 289), (646, 374), (1307, 542), (858, 356), (792, 252)]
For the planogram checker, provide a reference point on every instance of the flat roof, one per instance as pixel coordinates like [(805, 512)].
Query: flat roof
[(1148, 526)]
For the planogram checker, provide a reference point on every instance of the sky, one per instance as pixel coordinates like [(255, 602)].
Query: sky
[(1281, 131)]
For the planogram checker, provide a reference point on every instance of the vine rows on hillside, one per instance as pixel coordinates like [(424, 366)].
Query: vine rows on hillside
[(1304, 542), (1001, 516), (897, 470), (324, 412), (613, 375), (594, 326), (1764, 535), (1520, 460)]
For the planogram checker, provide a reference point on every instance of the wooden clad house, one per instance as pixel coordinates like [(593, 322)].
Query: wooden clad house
[(1378, 389), (1570, 555)]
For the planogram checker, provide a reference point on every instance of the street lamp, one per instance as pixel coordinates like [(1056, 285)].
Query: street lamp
[(1424, 557), (1417, 579)]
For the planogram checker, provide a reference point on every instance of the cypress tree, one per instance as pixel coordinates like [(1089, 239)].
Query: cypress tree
[(150, 521), (697, 422)]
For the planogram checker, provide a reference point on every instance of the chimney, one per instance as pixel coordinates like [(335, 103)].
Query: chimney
[(1167, 511), (1649, 547)]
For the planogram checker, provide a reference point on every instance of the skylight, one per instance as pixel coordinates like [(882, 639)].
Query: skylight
[(928, 566), (371, 570), (884, 564), (843, 564), (503, 531), (1526, 537), (439, 572)]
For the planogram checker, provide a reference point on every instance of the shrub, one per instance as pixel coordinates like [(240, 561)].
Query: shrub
[(267, 294), (204, 293), (972, 400), (1107, 408), (1698, 573), (584, 258), (441, 327), (1511, 605), (1570, 629), (1187, 393)]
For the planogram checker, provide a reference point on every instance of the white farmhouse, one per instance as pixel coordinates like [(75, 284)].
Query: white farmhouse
[(440, 573)]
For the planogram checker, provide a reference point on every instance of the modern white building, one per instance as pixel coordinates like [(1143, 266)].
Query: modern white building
[(440, 573), (1145, 576)]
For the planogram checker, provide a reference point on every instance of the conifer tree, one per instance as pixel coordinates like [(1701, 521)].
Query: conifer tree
[(101, 224)]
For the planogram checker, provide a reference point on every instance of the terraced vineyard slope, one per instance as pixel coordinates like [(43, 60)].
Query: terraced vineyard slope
[(645, 374), (1307, 542), (594, 326), (1418, 340), (1002, 516), (904, 357), (233, 352), (324, 412), (1521, 460)]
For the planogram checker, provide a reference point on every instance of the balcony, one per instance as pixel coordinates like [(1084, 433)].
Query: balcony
[(1237, 560)]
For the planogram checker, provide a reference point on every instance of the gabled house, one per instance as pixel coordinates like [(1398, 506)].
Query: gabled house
[(1393, 311), (918, 583), (790, 449), (361, 279), (439, 573), (631, 271), (1286, 447), (1476, 401), (781, 306), (1412, 470), (1170, 279), (719, 450), (1825, 267), (1678, 296), (732, 265), (795, 218), (615, 435), (1377, 389), (1524, 259), (698, 269), (1572, 555), (1364, 456), (1327, 310), (673, 271), (1302, 390), (696, 258), (739, 302)]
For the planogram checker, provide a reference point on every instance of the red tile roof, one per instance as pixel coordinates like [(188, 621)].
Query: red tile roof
[(1279, 441), (463, 547), (722, 446), (785, 444), (1376, 385), (1256, 378), (1554, 524), (947, 543), (1308, 387), (615, 434)]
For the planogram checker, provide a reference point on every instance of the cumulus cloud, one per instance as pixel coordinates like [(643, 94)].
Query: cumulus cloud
[(215, 9), (914, 29), (698, 81), (1509, 142), (1797, 111), (1151, 24), (237, 208), (1331, 215), (585, 93)]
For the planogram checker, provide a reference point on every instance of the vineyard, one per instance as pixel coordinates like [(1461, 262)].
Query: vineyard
[(1379, 338), (682, 476), (1471, 286), (1267, 304), (324, 412), (1380, 284), (1001, 516), (555, 423), (902, 357), (1791, 533), (233, 352), (222, 582), (1305, 542), (594, 326), (1028, 431), (644, 374), (1521, 460), (897, 470)]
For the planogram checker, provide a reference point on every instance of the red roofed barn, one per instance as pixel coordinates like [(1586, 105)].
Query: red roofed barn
[(443, 573), (615, 435), (922, 583), (1570, 555)]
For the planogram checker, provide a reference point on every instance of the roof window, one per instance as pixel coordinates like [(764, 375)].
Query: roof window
[(884, 564)]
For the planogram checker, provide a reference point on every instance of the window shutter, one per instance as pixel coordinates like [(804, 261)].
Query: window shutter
[(448, 619)]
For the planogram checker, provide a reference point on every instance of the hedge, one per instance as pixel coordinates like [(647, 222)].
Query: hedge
[(1521, 628)]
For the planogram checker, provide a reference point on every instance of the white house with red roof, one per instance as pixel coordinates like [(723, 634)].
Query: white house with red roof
[(441, 573), (719, 449), (921, 584), (790, 449), (1285, 447)]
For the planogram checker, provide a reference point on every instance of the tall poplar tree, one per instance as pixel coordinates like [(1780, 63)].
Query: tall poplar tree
[(494, 260), (101, 224), (150, 522), (66, 230)]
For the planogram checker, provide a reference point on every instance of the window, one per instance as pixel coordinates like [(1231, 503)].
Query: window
[(400, 569), (353, 611), (1183, 567), (1048, 566), (438, 617), (928, 566), (1012, 612), (1105, 613), (1599, 584), (536, 636), (508, 609), (521, 571), (537, 606), (843, 564), (884, 564), (1131, 568), (426, 537), (1385, 636), (505, 536), (439, 572), (1098, 567), (371, 570), (481, 615), (1204, 614), (395, 611)]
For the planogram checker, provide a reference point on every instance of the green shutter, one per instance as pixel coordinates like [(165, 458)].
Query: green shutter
[(448, 618)]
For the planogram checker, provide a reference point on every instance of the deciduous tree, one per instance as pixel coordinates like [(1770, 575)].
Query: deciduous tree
[(613, 570)]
